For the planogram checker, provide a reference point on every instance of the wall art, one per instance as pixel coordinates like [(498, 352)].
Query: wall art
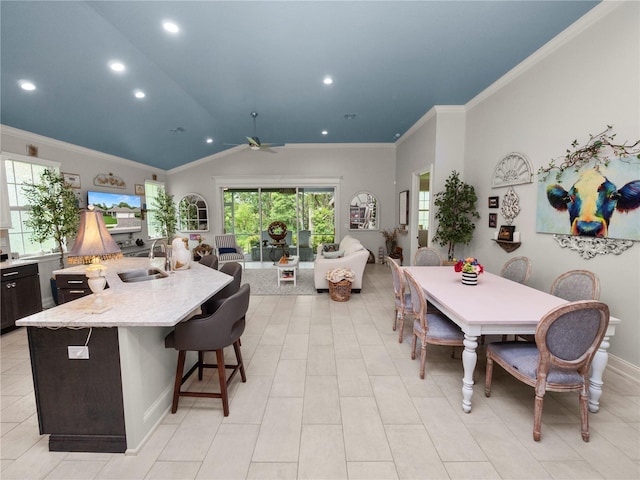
[(513, 169), (109, 180)]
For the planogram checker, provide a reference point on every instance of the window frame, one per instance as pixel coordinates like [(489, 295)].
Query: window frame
[(152, 232)]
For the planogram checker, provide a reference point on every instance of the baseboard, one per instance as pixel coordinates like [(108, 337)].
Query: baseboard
[(624, 368)]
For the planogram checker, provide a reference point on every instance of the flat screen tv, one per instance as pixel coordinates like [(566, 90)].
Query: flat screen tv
[(121, 212)]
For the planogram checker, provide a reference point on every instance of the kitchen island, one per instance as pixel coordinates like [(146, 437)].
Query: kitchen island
[(113, 400)]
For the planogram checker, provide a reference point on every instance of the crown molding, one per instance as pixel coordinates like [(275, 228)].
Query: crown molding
[(596, 14), (70, 147)]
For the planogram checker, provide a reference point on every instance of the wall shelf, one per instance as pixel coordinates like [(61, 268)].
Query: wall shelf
[(508, 246)]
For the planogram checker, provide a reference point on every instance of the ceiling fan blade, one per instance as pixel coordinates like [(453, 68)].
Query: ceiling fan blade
[(269, 145)]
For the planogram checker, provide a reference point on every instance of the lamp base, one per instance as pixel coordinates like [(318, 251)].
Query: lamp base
[(97, 283)]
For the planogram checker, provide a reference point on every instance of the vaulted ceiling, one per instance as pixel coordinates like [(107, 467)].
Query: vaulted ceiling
[(390, 62)]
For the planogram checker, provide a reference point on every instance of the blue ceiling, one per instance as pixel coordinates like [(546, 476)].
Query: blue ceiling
[(391, 62)]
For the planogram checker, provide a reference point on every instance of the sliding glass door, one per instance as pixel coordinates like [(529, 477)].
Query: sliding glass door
[(308, 214)]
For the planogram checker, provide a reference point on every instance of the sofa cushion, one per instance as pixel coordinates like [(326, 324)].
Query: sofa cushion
[(353, 248), (337, 254), (346, 241)]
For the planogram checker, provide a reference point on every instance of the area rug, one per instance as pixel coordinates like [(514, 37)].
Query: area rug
[(263, 281)]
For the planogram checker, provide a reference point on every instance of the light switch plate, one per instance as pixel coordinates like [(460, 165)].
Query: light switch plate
[(78, 353)]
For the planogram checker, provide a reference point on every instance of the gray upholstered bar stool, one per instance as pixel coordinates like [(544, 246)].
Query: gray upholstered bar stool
[(205, 333), (210, 261), (230, 268)]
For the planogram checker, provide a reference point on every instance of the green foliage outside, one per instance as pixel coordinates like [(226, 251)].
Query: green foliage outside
[(456, 209), (242, 214), (54, 210)]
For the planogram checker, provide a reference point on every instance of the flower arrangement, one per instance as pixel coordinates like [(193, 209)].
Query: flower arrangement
[(469, 265), (339, 274)]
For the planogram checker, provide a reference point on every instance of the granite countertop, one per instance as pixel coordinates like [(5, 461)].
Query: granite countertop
[(16, 263), (162, 302)]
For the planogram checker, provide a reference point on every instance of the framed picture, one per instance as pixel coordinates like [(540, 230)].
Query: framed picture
[(139, 189), (493, 220), (494, 202), (71, 179), (506, 232), (404, 208)]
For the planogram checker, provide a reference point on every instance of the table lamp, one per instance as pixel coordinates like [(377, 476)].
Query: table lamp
[(93, 244)]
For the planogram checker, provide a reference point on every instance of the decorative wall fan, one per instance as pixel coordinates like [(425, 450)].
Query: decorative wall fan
[(254, 142)]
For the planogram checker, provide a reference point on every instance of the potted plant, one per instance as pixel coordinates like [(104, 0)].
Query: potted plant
[(54, 210), (164, 214), (456, 210)]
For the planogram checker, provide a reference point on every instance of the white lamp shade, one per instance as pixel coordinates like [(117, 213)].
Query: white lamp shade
[(93, 240)]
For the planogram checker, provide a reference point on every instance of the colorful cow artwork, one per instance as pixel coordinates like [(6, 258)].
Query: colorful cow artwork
[(592, 202)]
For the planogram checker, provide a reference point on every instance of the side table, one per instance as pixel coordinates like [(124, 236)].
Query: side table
[(288, 272)]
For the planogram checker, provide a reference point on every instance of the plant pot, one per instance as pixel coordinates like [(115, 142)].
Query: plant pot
[(469, 278)]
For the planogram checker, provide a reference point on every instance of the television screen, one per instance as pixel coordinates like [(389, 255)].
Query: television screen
[(121, 212)]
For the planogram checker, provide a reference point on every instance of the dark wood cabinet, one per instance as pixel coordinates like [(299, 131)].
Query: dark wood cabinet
[(70, 287), (20, 293)]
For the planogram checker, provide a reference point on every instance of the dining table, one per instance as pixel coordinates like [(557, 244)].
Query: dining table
[(497, 306)]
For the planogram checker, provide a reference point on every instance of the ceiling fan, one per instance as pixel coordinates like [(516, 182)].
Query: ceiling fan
[(254, 142)]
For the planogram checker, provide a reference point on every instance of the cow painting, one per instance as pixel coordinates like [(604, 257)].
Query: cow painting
[(591, 202)]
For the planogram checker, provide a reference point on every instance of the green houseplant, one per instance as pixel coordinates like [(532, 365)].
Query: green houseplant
[(54, 210), (456, 209), (164, 214)]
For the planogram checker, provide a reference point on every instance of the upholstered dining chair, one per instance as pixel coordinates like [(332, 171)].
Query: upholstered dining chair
[(227, 248), (567, 339), (576, 285), (233, 269), (430, 328), (427, 257), (210, 261), (206, 333), (402, 297), (517, 269)]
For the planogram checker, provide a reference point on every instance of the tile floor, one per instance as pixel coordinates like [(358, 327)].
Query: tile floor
[(331, 394)]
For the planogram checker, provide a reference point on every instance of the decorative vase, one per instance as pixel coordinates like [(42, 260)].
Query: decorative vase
[(469, 278)]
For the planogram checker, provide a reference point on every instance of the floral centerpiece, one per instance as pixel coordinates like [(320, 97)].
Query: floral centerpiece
[(470, 269), (339, 274)]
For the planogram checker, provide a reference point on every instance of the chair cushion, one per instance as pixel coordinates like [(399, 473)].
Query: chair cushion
[(337, 254), (227, 250), (524, 357), (440, 327)]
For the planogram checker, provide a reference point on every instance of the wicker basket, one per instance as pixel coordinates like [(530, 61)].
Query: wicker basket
[(340, 291)]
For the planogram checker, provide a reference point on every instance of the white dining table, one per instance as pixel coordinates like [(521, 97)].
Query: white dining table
[(497, 306)]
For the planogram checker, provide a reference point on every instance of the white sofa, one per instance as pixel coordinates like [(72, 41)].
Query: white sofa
[(355, 257)]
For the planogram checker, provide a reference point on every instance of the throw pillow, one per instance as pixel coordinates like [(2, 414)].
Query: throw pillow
[(329, 247), (226, 250), (337, 254)]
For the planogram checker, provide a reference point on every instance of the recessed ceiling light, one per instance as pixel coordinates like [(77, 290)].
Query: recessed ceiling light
[(117, 66), (209, 140), (139, 94), (170, 27), (27, 85), (325, 132), (327, 80)]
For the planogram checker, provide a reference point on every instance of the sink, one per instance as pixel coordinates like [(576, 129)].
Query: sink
[(142, 275)]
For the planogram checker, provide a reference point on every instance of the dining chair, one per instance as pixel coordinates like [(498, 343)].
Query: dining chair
[(430, 328), (576, 285), (566, 340), (427, 257), (233, 269), (227, 248), (402, 297), (210, 261), (517, 269), (206, 333)]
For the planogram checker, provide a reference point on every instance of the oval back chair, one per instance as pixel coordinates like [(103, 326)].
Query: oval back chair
[(427, 257), (517, 269), (576, 285), (402, 297)]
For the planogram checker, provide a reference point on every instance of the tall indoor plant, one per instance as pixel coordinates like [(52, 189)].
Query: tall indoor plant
[(164, 214), (456, 209), (54, 210)]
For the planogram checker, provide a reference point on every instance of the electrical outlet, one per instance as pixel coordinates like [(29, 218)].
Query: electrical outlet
[(78, 353)]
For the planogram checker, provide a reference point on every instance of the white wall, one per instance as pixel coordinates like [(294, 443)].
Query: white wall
[(586, 78), (368, 167)]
